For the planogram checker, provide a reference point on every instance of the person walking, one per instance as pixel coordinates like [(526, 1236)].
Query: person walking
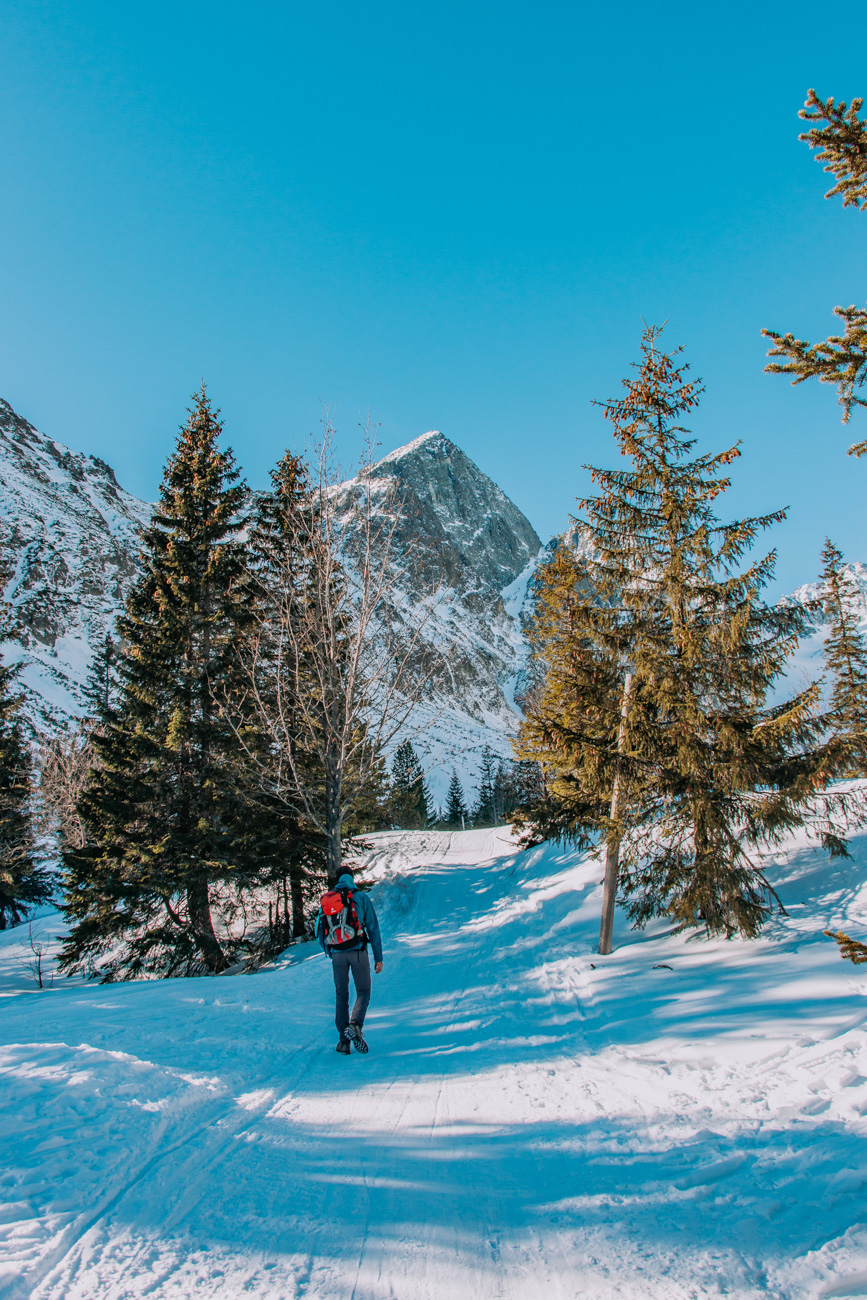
[(347, 923)]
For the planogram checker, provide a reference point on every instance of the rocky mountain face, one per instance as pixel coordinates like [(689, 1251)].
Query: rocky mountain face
[(70, 536), (473, 544), (479, 537)]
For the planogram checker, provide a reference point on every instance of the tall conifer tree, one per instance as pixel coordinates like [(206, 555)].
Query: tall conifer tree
[(279, 560), (485, 809), (456, 813), (653, 722), (167, 828), (410, 799)]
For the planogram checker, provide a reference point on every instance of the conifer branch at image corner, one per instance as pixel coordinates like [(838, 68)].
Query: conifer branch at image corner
[(840, 138)]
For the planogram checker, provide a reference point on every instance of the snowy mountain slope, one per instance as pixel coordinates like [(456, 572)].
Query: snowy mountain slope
[(70, 531), (533, 1122), (72, 535), (807, 665)]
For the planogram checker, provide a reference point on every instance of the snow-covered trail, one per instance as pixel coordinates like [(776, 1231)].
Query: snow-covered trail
[(681, 1119)]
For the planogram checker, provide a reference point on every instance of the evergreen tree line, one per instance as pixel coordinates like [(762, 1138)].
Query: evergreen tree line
[(233, 749), (503, 787)]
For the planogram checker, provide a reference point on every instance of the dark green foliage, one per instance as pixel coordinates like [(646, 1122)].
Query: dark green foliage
[(102, 683), (846, 661), (372, 806), (485, 808), (23, 883), (170, 831), (841, 140), (516, 785), (410, 800), (659, 654), (850, 949), (455, 816)]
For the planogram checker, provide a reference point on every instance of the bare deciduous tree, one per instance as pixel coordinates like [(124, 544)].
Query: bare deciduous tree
[(65, 762), (336, 661)]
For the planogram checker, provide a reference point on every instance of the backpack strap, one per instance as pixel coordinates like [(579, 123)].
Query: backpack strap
[(359, 928)]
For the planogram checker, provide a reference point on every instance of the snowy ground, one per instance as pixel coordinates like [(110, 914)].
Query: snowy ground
[(533, 1122)]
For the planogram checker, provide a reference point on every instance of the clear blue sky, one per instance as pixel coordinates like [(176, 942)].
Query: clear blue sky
[(453, 215)]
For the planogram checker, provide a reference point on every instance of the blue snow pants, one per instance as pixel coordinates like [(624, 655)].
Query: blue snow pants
[(341, 964)]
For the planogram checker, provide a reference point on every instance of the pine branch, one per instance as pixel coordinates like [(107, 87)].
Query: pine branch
[(842, 145), (850, 949), (839, 360)]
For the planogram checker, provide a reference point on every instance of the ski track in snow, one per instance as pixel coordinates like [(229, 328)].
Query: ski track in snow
[(533, 1121)]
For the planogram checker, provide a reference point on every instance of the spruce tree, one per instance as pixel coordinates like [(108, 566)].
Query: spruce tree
[(169, 832), (485, 808), (840, 137), (23, 882), (846, 662), (101, 687), (653, 724), (456, 814), (410, 800)]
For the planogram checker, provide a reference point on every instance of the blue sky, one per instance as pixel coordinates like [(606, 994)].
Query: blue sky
[(453, 216)]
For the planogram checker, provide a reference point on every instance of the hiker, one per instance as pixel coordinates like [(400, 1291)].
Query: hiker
[(347, 923)]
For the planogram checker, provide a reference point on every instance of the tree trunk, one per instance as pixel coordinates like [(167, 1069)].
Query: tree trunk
[(612, 851), (295, 882), (199, 907), (333, 818)]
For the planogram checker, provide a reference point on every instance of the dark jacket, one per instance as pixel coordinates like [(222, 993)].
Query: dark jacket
[(366, 915)]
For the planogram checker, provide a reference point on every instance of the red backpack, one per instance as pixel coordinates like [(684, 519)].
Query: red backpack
[(340, 919)]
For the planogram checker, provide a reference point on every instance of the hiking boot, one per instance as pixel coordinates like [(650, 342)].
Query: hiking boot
[(353, 1033), (342, 1047)]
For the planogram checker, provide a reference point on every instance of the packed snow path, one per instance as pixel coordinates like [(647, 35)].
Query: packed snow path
[(533, 1122)]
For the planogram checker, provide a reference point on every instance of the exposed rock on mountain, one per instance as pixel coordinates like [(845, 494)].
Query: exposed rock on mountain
[(477, 546), (69, 535), (480, 537)]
